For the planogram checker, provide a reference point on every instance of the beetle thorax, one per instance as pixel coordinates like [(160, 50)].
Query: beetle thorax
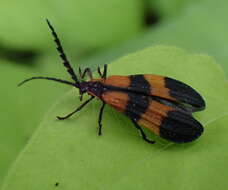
[(92, 88)]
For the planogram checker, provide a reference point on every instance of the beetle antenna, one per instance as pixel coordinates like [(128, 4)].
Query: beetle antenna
[(49, 78), (66, 63)]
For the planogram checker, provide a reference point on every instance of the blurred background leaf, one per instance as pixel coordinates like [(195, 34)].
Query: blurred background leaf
[(167, 9), (200, 27), (85, 25)]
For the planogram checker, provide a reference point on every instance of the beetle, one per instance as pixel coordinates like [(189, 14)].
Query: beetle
[(161, 104)]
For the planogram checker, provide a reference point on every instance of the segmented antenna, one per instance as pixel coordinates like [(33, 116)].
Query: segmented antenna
[(49, 78), (62, 54)]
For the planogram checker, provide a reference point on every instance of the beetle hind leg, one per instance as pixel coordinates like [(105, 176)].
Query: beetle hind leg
[(142, 133)]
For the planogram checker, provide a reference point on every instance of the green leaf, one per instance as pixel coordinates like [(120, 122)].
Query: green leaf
[(172, 8), (197, 29), (86, 25), (71, 154), (19, 115)]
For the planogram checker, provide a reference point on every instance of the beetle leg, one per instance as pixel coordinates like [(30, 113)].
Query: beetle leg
[(142, 133), (100, 118), (87, 71), (80, 72), (104, 74), (78, 109), (99, 71)]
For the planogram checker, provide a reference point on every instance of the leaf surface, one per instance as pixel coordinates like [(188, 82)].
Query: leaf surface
[(71, 154)]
